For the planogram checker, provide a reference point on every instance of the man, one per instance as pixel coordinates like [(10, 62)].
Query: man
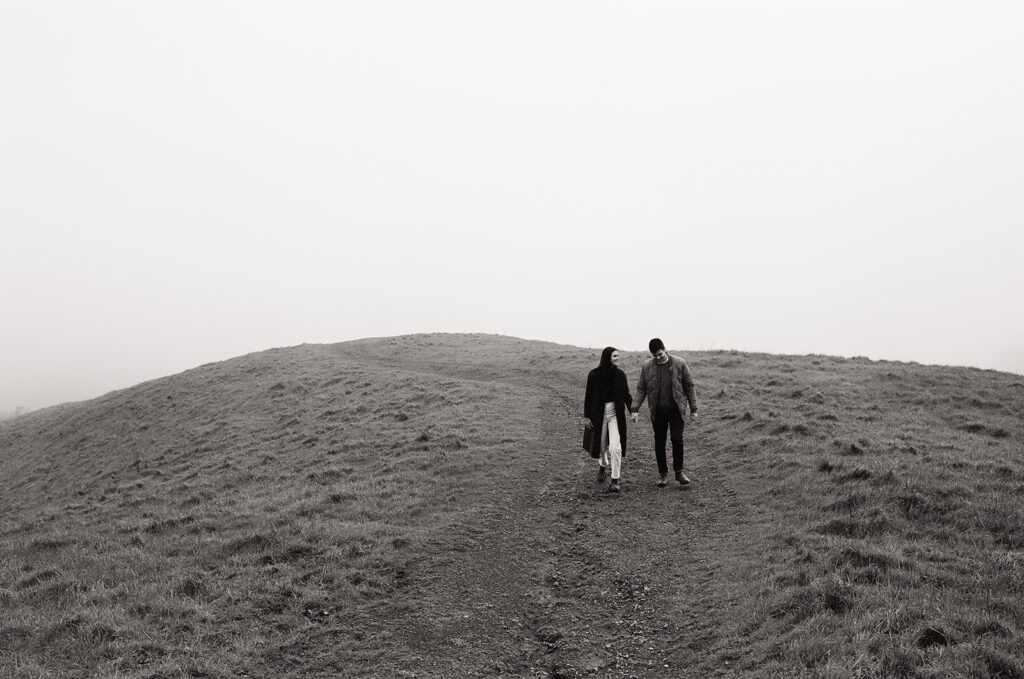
[(666, 381)]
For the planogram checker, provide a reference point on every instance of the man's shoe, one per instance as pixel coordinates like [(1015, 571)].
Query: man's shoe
[(601, 472), (663, 481), (681, 478), (614, 488)]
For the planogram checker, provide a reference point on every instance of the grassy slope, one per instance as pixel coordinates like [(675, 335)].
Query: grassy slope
[(416, 506)]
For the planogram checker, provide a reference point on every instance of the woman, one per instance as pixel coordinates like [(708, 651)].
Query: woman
[(605, 406)]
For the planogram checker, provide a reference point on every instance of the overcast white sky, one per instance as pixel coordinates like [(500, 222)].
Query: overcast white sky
[(183, 182)]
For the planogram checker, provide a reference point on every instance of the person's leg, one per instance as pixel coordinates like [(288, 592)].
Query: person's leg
[(676, 427), (603, 460), (660, 425), (611, 426), (676, 432)]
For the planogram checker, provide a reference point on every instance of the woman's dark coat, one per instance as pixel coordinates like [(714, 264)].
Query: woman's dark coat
[(600, 392)]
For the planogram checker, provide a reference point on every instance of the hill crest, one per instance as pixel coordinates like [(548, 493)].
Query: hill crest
[(418, 505)]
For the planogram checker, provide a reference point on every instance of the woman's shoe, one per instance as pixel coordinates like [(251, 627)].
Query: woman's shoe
[(614, 488), (601, 472)]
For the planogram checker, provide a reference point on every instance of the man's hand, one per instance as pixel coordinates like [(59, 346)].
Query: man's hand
[(693, 416)]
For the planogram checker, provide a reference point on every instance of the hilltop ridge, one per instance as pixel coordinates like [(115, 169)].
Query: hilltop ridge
[(418, 506)]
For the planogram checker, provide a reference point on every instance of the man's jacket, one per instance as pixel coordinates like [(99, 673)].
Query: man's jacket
[(683, 392)]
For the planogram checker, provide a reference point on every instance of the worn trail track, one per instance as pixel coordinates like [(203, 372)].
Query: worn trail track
[(556, 577)]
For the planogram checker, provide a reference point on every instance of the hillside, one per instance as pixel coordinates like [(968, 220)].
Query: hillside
[(418, 507)]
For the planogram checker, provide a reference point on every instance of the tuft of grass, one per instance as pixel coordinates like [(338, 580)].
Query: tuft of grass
[(1001, 665), (823, 596)]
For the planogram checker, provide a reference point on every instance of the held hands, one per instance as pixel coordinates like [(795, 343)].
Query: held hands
[(636, 416)]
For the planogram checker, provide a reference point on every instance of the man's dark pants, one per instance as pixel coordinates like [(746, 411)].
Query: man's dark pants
[(666, 421)]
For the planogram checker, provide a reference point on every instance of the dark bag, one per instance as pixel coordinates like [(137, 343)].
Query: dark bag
[(588, 440)]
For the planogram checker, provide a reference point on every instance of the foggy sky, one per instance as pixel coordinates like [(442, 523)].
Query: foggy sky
[(186, 182)]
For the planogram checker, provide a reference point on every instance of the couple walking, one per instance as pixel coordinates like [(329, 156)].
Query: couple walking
[(666, 382)]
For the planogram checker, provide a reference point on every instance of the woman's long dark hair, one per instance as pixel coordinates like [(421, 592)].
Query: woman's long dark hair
[(606, 369)]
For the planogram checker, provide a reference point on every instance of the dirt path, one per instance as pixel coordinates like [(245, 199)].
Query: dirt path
[(558, 578)]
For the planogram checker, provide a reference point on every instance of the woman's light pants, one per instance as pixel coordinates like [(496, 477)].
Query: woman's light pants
[(611, 447)]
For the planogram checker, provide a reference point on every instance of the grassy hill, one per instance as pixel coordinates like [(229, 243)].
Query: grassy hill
[(419, 507)]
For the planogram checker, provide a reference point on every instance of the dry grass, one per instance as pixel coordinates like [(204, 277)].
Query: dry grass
[(896, 494), (201, 524), (416, 506)]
